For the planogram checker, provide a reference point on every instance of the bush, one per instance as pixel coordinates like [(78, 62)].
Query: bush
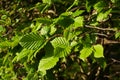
[(59, 39)]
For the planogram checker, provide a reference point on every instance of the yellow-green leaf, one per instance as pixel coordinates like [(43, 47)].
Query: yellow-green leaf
[(47, 63), (85, 52), (103, 15), (79, 21), (98, 51)]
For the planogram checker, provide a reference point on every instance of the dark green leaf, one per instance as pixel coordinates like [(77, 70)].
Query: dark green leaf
[(44, 20), (65, 21), (100, 6)]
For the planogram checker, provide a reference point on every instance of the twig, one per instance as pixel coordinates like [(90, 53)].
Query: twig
[(75, 8), (107, 41), (98, 28), (114, 60), (100, 34)]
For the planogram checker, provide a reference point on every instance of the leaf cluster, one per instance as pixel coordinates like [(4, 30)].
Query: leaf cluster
[(56, 39)]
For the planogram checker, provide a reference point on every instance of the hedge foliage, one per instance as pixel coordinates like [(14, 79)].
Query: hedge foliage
[(57, 39)]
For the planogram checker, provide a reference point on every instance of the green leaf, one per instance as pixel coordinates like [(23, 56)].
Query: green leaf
[(49, 50), (61, 47), (32, 41), (66, 14), (47, 63), (1, 28), (22, 54), (47, 1), (44, 30), (65, 21), (85, 52), (5, 44), (103, 15), (77, 13), (60, 42), (102, 62), (36, 27), (52, 29), (89, 4), (73, 43), (117, 35), (44, 20), (68, 33), (62, 52), (79, 21), (98, 51), (100, 5), (116, 2), (4, 17), (40, 6)]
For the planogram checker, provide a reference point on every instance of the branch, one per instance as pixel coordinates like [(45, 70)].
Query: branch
[(103, 29), (100, 34), (114, 60)]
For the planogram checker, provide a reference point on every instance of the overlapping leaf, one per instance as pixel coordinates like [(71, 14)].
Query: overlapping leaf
[(103, 15), (79, 21), (60, 42), (22, 54), (100, 5), (62, 52), (61, 47), (85, 52), (32, 41), (98, 51)]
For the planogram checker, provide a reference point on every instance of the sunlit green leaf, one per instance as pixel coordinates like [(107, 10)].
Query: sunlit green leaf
[(5, 44), (52, 29), (66, 13), (22, 54), (68, 34), (47, 63), (62, 52), (103, 15), (73, 43), (77, 13), (79, 21), (85, 52), (61, 47), (114, 1), (98, 51), (45, 30), (117, 35), (47, 1), (60, 42)]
